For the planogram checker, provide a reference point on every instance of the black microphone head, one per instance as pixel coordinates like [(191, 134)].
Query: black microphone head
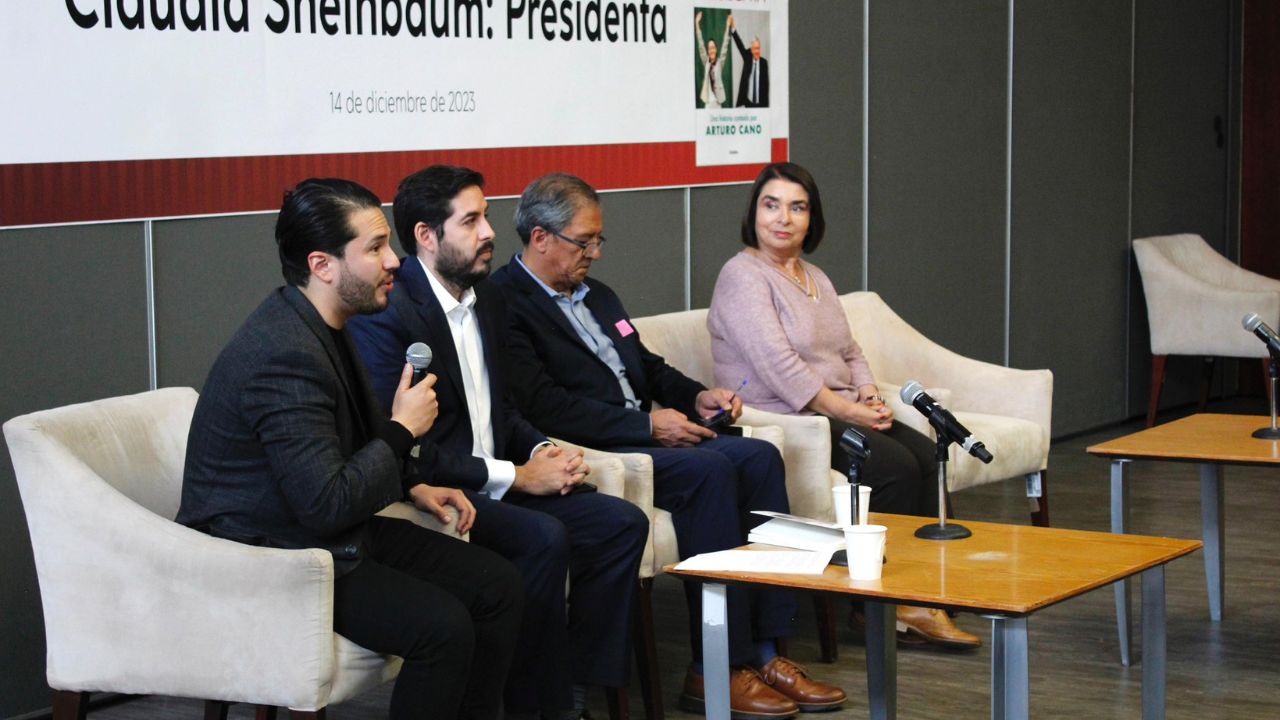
[(419, 356), (854, 443), (910, 391), (1251, 322)]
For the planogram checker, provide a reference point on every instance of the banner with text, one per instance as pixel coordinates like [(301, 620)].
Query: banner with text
[(155, 108)]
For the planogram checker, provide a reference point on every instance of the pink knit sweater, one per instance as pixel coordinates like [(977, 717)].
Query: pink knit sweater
[(766, 330)]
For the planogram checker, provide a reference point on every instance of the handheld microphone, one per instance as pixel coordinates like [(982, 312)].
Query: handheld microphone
[(419, 356), (942, 421), (1254, 324)]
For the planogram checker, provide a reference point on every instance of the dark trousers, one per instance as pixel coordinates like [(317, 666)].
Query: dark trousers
[(710, 490), (902, 468), (597, 541), (449, 608)]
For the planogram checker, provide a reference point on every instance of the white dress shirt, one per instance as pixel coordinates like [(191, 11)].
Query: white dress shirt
[(475, 382)]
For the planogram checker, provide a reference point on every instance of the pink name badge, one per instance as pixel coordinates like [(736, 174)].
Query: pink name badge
[(624, 328)]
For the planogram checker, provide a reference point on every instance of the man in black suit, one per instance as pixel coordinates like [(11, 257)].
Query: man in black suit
[(288, 449), (753, 87), (579, 371), (533, 506)]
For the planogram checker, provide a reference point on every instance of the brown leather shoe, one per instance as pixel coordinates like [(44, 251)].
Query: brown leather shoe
[(793, 681), (749, 696), (935, 626)]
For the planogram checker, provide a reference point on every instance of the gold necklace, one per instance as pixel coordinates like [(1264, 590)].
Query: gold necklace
[(804, 282)]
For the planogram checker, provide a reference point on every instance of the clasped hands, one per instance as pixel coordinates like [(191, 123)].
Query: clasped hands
[(870, 409), (673, 428)]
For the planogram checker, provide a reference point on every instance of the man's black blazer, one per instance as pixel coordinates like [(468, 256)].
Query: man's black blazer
[(414, 315), (563, 387), (283, 447), (744, 83)]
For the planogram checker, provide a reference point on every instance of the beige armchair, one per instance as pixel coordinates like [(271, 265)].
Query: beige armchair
[(1013, 422), (1010, 410), (1195, 301), (135, 603)]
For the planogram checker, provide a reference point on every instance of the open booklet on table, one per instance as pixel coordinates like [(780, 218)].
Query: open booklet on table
[(798, 532)]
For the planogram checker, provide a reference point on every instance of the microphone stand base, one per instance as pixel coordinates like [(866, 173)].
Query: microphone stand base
[(950, 531), (1267, 433)]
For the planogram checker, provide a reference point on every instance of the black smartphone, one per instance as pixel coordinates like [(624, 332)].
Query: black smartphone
[(583, 487), (717, 422)]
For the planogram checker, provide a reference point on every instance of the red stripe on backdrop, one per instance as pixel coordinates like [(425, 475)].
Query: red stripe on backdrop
[(47, 193)]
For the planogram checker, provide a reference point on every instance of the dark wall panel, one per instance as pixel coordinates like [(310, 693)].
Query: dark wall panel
[(1070, 210), (826, 126), (210, 274), (937, 168), (715, 222), (644, 260), (74, 325), (1181, 90)]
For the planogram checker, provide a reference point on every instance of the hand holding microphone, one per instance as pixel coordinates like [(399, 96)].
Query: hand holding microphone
[(942, 421), (414, 405)]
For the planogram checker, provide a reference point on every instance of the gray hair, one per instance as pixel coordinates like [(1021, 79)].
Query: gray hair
[(550, 202)]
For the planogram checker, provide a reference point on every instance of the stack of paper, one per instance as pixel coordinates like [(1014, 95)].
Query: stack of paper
[(797, 532), (761, 561)]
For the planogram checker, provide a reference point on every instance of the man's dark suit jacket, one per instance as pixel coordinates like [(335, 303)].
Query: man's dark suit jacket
[(563, 387), (415, 315), (282, 449), (744, 83)]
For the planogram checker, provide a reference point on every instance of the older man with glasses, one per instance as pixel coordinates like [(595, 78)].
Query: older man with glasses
[(579, 371)]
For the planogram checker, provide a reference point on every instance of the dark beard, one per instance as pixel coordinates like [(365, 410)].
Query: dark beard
[(359, 295), (456, 269)]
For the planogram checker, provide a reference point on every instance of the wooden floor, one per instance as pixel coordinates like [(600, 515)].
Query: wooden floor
[(1215, 671)]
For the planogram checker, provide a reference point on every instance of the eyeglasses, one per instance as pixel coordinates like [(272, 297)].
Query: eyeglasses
[(584, 246)]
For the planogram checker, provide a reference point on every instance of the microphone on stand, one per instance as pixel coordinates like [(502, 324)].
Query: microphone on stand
[(419, 356), (1254, 324), (942, 421)]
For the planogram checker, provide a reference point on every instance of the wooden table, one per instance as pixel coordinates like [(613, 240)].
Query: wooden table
[(1005, 572), (1210, 440)]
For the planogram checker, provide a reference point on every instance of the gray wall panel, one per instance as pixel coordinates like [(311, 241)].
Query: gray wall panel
[(210, 274), (1070, 211), (644, 260), (937, 169), (716, 222), (1181, 87), (74, 328), (826, 126)]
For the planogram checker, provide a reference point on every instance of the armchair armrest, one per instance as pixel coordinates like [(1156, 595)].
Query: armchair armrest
[(806, 452), (625, 475)]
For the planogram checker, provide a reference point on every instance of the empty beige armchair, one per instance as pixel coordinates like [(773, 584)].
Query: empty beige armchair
[(135, 603), (1009, 410), (1195, 301)]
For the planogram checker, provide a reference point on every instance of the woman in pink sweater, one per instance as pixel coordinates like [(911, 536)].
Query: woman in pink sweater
[(776, 322)]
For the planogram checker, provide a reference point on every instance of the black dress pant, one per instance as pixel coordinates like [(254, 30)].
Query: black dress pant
[(596, 541), (710, 490), (451, 609), (902, 469)]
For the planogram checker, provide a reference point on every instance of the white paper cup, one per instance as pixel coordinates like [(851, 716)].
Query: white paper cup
[(840, 498), (865, 546)]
